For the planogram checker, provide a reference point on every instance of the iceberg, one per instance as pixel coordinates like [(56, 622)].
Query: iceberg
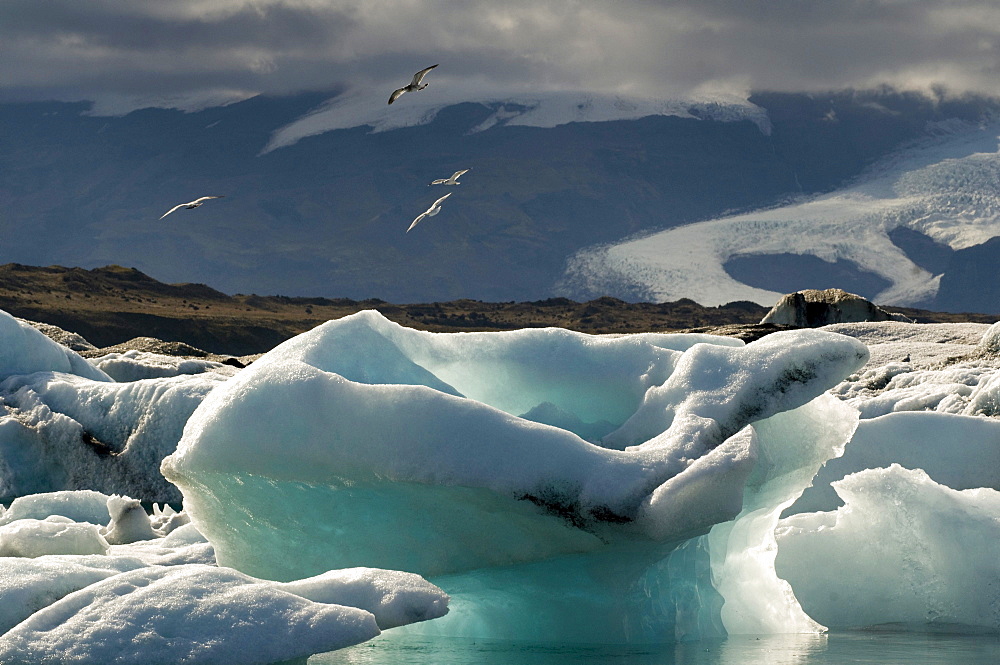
[(903, 551), (365, 443), (532, 485), (62, 431), (25, 350), (202, 602), (83, 599), (52, 535), (134, 365), (959, 452)]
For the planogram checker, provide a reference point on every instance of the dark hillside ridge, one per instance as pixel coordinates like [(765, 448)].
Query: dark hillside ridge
[(112, 305)]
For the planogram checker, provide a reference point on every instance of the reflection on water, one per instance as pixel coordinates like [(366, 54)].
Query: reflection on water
[(875, 648)]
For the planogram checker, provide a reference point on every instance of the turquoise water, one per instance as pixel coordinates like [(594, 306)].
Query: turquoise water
[(839, 648)]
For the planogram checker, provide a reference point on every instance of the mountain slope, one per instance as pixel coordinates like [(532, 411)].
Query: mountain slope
[(900, 235), (325, 214)]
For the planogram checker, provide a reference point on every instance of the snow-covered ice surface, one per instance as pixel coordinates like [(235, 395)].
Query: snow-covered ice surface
[(26, 350), (556, 486), (547, 109), (68, 595), (950, 368), (925, 551), (63, 431), (947, 188), (413, 440), (135, 365)]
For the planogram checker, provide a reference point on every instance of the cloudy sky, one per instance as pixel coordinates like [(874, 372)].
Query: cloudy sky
[(129, 52)]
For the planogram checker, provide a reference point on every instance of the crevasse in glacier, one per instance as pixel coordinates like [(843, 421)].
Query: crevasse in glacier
[(366, 443)]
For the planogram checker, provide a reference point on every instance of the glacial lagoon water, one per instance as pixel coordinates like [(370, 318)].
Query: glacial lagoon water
[(834, 648)]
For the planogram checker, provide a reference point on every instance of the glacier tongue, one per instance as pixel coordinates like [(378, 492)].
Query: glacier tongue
[(945, 188), (416, 461)]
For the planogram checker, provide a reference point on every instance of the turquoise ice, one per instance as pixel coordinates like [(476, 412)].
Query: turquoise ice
[(366, 443)]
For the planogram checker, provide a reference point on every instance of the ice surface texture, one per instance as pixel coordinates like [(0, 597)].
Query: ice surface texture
[(365, 443), (64, 431), (558, 486), (26, 350), (158, 597)]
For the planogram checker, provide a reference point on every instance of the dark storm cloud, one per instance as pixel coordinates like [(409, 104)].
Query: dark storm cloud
[(789, 44), (93, 48)]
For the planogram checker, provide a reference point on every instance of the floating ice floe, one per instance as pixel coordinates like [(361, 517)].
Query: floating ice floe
[(366, 443), (558, 486), (162, 598), (903, 552), (66, 424), (65, 431)]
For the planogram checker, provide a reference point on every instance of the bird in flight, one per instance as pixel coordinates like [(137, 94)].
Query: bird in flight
[(413, 85), (191, 205), (453, 180), (430, 212)]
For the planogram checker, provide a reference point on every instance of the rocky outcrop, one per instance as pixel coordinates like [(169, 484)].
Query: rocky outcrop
[(812, 308)]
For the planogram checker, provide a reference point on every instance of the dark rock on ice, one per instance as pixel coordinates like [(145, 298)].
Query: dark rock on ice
[(811, 309)]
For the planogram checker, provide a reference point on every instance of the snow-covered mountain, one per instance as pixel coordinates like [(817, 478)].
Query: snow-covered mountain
[(550, 109), (944, 189), (318, 193)]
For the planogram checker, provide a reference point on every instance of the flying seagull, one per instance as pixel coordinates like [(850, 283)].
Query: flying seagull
[(433, 210), (453, 180), (192, 204), (413, 85)]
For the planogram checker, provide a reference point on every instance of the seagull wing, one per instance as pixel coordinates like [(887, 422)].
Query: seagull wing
[(172, 209), (419, 219), (419, 76), (433, 210), (458, 174), (439, 181), (205, 198), (395, 95)]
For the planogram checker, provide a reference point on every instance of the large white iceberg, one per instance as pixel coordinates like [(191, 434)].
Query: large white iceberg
[(366, 443), (903, 551), (558, 486)]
